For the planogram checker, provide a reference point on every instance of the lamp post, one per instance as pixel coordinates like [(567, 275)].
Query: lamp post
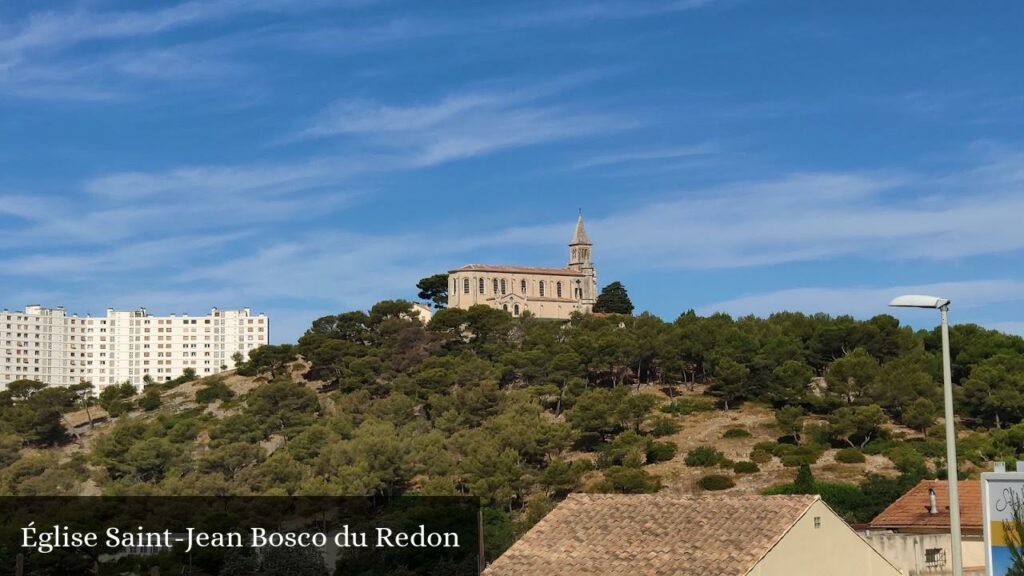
[(942, 305)]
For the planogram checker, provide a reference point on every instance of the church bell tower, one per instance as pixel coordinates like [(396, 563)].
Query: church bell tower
[(581, 258)]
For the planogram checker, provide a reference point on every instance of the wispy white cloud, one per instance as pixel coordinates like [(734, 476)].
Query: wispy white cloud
[(161, 253), (38, 60), (583, 12), (1008, 327), (462, 125), (647, 155), (54, 29), (817, 216), (340, 267), (869, 301), (202, 181), (122, 207)]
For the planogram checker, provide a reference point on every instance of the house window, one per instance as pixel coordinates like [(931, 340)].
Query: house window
[(817, 521), (515, 310), (481, 286), (465, 285), (558, 289), (522, 286), (504, 307), (934, 557)]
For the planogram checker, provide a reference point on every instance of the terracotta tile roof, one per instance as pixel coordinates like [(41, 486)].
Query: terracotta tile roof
[(912, 511), (517, 270), (648, 535)]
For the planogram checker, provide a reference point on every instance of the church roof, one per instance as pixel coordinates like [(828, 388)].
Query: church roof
[(518, 270), (579, 236)]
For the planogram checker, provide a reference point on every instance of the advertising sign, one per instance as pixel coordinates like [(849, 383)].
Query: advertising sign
[(1002, 495)]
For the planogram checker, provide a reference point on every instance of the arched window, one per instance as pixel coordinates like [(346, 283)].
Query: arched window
[(494, 284), (504, 307), (481, 286), (465, 285), (522, 286), (579, 290), (516, 310), (503, 286), (558, 289), (541, 286)]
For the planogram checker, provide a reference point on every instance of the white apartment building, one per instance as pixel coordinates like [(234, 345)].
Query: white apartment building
[(51, 346)]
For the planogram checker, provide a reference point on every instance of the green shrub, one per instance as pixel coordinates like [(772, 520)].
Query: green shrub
[(907, 460), (726, 463), (846, 499), (736, 433), (792, 456), (816, 434), (150, 400), (715, 482), (745, 467), (759, 456), (928, 448), (623, 480), (214, 390), (705, 456), (772, 448), (660, 451), (689, 405), (664, 426), (850, 456), (878, 446), (626, 449)]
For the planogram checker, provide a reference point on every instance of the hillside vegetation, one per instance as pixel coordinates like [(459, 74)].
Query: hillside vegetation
[(520, 411)]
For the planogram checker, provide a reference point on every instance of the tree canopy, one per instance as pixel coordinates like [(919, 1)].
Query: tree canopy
[(520, 411), (614, 299), (434, 289)]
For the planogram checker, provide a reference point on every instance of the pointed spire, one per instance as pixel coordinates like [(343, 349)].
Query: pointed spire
[(579, 236)]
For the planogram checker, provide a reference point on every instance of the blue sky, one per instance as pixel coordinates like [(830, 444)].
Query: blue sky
[(305, 157)]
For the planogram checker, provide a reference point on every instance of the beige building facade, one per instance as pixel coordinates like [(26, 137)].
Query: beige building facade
[(543, 292), (820, 543)]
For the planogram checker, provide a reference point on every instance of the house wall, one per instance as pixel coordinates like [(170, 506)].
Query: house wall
[(832, 549), (907, 552)]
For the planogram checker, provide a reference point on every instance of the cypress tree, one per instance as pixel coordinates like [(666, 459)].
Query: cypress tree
[(804, 483)]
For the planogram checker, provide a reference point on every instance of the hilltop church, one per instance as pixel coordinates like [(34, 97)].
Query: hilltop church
[(544, 292)]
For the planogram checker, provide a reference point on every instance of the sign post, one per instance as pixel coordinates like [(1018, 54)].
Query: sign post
[(1001, 493)]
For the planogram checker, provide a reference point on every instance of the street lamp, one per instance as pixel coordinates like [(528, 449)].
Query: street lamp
[(942, 305)]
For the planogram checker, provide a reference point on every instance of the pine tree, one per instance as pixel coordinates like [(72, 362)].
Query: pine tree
[(614, 299)]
